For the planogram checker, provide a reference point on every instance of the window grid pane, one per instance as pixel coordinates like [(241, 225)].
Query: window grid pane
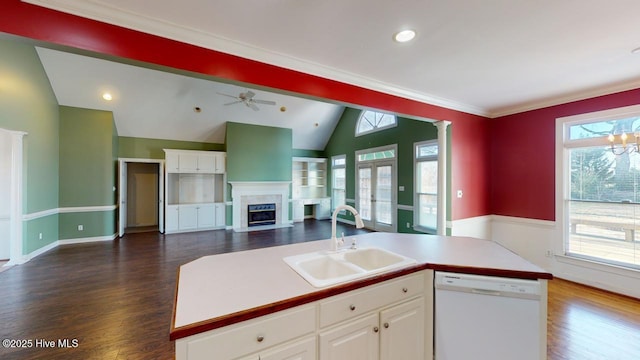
[(427, 189), (603, 206)]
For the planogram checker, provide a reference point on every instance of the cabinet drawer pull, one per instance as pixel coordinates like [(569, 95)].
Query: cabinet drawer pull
[(260, 338), (375, 329), (404, 289), (352, 307), (386, 325)]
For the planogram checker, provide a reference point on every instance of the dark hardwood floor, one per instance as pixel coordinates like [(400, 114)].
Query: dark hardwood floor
[(115, 299)]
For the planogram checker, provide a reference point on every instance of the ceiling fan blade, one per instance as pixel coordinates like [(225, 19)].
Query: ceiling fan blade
[(234, 102), (253, 106), (266, 102), (248, 95), (227, 95)]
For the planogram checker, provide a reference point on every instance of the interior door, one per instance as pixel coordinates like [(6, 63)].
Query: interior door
[(122, 197), (376, 196)]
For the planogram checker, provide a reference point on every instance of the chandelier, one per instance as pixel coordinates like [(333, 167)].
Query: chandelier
[(623, 147)]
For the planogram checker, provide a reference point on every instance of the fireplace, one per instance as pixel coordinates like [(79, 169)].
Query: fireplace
[(272, 193), (261, 214)]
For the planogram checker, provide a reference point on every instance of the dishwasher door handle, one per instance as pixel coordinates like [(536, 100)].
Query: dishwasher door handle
[(486, 292)]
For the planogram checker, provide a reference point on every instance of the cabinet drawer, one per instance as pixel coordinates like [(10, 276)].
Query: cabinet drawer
[(250, 336), (373, 297)]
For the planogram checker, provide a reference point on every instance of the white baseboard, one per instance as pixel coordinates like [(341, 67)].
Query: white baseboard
[(57, 243)]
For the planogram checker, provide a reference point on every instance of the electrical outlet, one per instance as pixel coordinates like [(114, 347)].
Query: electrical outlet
[(408, 225), (459, 194), (40, 236), (549, 253), (80, 227)]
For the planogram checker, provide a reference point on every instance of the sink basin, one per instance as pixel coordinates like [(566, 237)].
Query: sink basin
[(325, 268), (372, 258)]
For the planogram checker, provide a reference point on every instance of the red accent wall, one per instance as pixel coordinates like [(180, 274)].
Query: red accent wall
[(470, 171), (523, 155)]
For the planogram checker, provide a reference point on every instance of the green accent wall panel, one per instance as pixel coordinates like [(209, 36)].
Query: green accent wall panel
[(47, 226), (95, 224), (142, 148), (86, 157), (258, 153), (27, 103)]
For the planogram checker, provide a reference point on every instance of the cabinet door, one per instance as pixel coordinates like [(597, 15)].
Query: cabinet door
[(221, 163), (402, 331), (171, 218), (188, 217), (172, 162), (207, 163), (323, 209), (298, 210), (206, 216), (221, 214), (300, 350), (188, 163), (357, 340)]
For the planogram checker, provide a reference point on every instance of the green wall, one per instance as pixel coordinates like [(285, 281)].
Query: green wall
[(258, 153), (140, 148), (405, 134), (87, 172), (27, 103)]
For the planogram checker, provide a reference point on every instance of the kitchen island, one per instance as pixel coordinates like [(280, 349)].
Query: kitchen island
[(253, 304)]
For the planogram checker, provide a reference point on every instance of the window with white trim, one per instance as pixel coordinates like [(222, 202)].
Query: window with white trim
[(426, 185), (339, 180), (602, 187), (372, 121)]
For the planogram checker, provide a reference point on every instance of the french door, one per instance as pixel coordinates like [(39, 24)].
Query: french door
[(376, 196)]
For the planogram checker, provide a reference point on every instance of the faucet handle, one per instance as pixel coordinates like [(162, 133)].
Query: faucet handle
[(354, 245)]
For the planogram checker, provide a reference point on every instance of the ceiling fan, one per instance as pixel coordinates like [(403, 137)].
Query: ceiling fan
[(248, 100)]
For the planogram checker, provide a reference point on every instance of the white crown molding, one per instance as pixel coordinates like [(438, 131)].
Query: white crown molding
[(98, 10), (559, 100)]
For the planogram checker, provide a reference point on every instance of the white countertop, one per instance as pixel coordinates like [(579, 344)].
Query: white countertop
[(226, 285)]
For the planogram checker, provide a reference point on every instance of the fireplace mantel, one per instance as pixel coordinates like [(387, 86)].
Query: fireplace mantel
[(244, 193)]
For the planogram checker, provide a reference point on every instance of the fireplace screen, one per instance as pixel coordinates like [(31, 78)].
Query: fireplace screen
[(261, 214)]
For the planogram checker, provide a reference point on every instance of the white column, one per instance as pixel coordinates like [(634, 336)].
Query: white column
[(442, 176)]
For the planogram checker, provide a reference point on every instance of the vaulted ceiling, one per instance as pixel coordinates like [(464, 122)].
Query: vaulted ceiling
[(488, 58)]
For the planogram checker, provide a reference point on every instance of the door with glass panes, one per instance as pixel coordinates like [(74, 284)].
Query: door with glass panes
[(376, 196)]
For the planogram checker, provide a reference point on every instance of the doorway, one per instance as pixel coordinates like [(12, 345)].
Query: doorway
[(375, 188), (140, 196), (11, 164)]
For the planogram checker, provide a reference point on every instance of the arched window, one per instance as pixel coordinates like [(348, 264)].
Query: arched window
[(372, 121)]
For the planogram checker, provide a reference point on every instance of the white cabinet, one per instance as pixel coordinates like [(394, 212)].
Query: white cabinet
[(402, 331), (393, 333), (298, 350), (386, 321), (198, 162), (355, 340), (274, 335), (194, 190), (323, 209), (194, 217), (298, 209)]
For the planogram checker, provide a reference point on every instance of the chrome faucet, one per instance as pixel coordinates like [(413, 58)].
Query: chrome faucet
[(335, 243)]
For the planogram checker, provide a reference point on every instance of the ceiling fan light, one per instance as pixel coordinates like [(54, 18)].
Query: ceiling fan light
[(404, 35)]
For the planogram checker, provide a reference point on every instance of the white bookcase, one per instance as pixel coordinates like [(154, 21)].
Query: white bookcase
[(195, 190), (309, 187)]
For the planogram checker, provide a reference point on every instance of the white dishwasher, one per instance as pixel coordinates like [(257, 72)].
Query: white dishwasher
[(485, 317)]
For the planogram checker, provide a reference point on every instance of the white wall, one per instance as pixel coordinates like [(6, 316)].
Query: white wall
[(540, 242)]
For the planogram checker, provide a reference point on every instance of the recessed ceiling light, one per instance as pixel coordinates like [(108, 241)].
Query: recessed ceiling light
[(107, 96), (404, 36)]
